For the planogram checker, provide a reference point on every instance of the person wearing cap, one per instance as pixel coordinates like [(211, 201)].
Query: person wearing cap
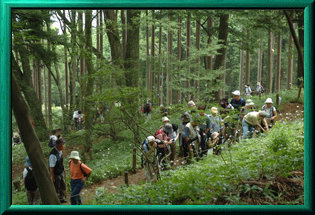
[(237, 101), (79, 173), (185, 118), (270, 110), (249, 107), (149, 145), (216, 124), (252, 120), (171, 131), (204, 130), (248, 90), (164, 111), (191, 137), (57, 169), (33, 196)]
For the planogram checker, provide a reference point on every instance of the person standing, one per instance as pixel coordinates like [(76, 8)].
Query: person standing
[(248, 90), (57, 170), (32, 191), (216, 126), (185, 119), (271, 111), (204, 130), (191, 137), (259, 89), (149, 145), (237, 101), (79, 173), (75, 118)]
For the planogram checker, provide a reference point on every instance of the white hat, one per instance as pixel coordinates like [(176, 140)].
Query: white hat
[(214, 135), (268, 100), (249, 102), (75, 155), (164, 119), (150, 139), (214, 110), (191, 104), (236, 93)]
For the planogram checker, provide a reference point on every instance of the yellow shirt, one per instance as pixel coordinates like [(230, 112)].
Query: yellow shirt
[(253, 118)]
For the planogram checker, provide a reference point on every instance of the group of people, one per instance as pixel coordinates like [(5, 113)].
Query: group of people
[(79, 173), (78, 119), (258, 91), (198, 131)]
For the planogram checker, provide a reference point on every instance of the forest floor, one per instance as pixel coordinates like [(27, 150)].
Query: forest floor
[(287, 111)]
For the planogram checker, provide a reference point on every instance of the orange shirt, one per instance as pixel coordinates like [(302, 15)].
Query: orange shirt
[(75, 170)]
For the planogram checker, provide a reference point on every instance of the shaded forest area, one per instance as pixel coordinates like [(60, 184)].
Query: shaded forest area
[(69, 60)]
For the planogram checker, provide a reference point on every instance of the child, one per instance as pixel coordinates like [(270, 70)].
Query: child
[(79, 173)]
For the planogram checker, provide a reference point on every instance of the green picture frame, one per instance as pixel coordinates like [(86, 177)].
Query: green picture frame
[(5, 104)]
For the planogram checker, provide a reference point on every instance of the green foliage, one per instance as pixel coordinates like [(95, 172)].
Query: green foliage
[(212, 179)]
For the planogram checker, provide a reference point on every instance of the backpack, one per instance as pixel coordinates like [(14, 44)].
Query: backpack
[(271, 110), (147, 108), (85, 175), (29, 182)]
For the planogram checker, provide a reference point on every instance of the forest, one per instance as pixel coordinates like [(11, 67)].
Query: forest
[(105, 81)]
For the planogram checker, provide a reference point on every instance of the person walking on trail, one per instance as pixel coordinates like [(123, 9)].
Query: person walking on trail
[(32, 191), (147, 109), (254, 120), (79, 173), (259, 89), (75, 118), (57, 169), (81, 118), (171, 131), (204, 130), (271, 112), (237, 101), (185, 119), (149, 145), (248, 90), (191, 137)]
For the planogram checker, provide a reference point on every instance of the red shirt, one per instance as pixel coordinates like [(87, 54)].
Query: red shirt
[(76, 172)]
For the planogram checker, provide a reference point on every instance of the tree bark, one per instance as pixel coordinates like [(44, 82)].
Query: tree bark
[(219, 61), (73, 61), (278, 83), (25, 80), (270, 62), (160, 79), (259, 61), (247, 67), (209, 33), (32, 147), (124, 32), (179, 57), (148, 72), (187, 56), (290, 63), (241, 67), (169, 54), (198, 58), (152, 55)]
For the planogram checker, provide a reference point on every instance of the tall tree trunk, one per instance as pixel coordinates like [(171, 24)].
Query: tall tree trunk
[(198, 58), (50, 124), (290, 63), (45, 95), (39, 81), (124, 32), (64, 30), (219, 61), (32, 146), (300, 75), (160, 75), (270, 62), (148, 72), (209, 33), (82, 63), (179, 57), (152, 55), (247, 68), (168, 67), (25, 80), (278, 83), (73, 61), (89, 90), (187, 55), (132, 48), (241, 67), (259, 61)]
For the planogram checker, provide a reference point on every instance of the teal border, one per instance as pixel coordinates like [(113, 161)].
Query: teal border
[(5, 102)]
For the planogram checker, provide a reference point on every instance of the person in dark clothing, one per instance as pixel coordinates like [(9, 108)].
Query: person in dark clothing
[(164, 111), (57, 170), (237, 102)]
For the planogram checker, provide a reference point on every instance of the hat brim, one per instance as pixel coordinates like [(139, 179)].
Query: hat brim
[(75, 157)]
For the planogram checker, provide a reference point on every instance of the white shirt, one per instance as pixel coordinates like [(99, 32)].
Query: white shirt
[(25, 172), (53, 159), (75, 114)]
